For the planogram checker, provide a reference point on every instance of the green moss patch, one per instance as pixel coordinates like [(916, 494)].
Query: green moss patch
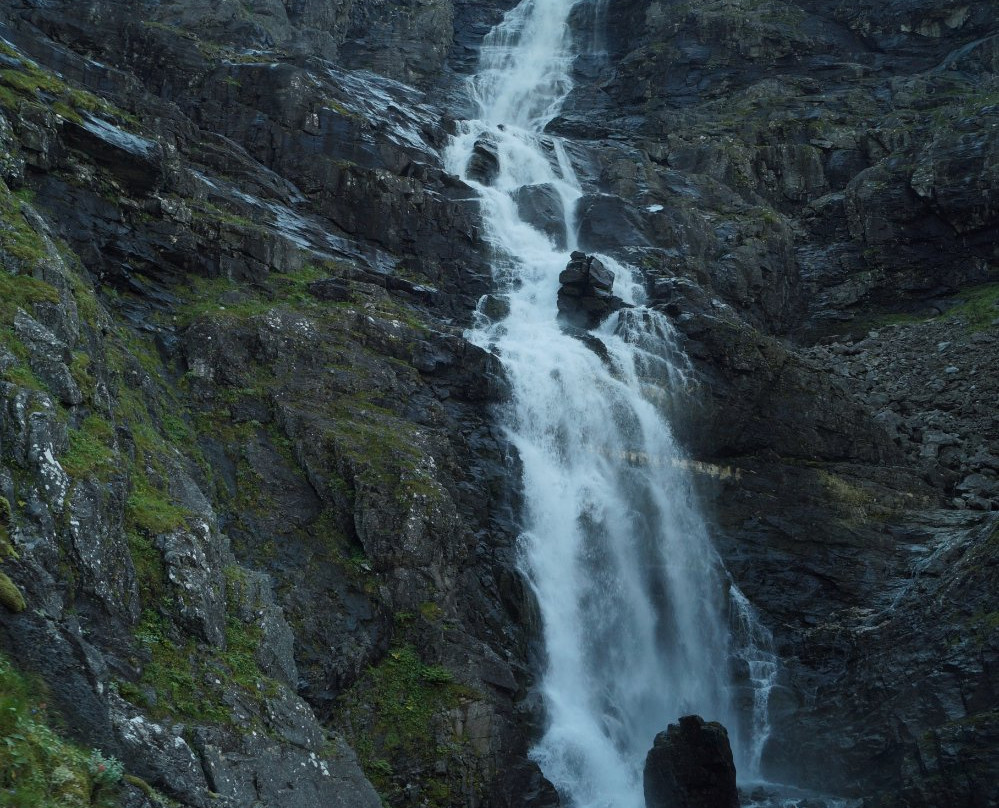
[(290, 289), (30, 83), (19, 239), (151, 510), (11, 597), (173, 683), (396, 717), (6, 550), (90, 450), (978, 307)]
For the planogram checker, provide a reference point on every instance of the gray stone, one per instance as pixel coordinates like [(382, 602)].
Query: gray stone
[(194, 556), (254, 770), (162, 758), (584, 297), (254, 604), (101, 551), (49, 358), (979, 484)]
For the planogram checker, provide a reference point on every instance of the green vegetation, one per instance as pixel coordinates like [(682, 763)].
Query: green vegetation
[(19, 239), (186, 680), (978, 307), (90, 451), (38, 768), (173, 683), (30, 83), (10, 596), (373, 442), (151, 510), (291, 288), (855, 502), (148, 563), (21, 245), (985, 625), (382, 446), (396, 713), (215, 51), (207, 210), (6, 551)]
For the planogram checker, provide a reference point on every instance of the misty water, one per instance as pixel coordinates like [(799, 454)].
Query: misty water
[(640, 624)]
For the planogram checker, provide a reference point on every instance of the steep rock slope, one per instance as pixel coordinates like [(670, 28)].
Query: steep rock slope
[(808, 187), (256, 510)]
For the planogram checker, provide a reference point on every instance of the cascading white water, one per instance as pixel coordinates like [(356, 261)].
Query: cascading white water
[(754, 647), (630, 592)]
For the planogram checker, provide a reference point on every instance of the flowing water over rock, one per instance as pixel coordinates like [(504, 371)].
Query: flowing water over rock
[(631, 592)]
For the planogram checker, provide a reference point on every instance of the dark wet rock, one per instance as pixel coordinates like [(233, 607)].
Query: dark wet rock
[(526, 786), (135, 161), (584, 298), (330, 289), (943, 171), (541, 206), (690, 766), (607, 221), (408, 42), (495, 307), (472, 21), (243, 520), (483, 166)]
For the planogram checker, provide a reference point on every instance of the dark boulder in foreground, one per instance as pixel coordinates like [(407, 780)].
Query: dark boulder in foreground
[(584, 298), (690, 766)]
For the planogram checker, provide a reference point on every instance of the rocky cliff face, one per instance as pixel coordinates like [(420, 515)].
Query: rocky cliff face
[(256, 509), (255, 517), (808, 187)]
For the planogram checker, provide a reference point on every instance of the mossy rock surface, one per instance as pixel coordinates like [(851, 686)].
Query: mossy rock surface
[(10, 596)]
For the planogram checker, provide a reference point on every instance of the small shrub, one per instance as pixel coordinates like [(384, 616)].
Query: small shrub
[(105, 771)]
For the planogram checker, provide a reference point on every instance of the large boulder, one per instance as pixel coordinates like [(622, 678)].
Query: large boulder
[(541, 207), (483, 165), (690, 766), (584, 298)]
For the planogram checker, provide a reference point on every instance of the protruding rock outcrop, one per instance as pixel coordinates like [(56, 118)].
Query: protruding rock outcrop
[(690, 766), (585, 298), (541, 206), (483, 165)]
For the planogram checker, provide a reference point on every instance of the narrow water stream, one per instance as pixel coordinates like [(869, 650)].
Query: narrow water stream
[(635, 606)]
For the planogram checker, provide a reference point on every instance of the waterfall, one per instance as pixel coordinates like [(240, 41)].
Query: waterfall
[(634, 603), (754, 649)]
